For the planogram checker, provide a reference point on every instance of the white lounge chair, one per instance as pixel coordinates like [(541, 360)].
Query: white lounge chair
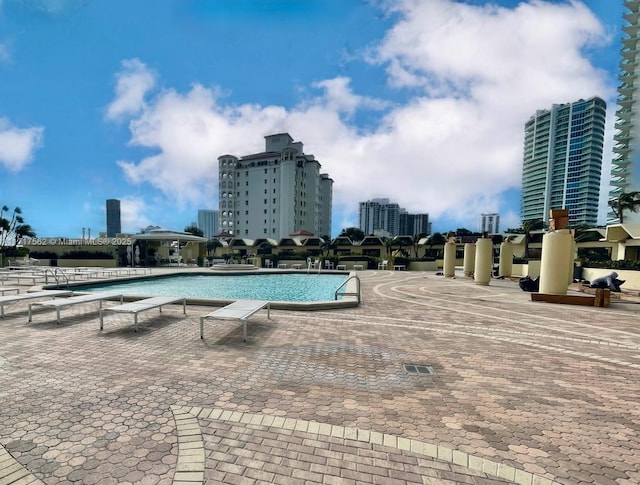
[(7, 289), (29, 296), (328, 264), (74, 300), (143, 305), (238, 310), (383, 265)]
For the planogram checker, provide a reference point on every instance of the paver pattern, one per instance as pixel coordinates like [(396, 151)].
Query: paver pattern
[(523, 392)]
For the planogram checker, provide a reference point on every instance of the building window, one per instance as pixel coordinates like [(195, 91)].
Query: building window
[(265, 201)]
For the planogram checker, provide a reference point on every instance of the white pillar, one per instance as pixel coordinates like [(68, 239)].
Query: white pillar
[(449, 265), (505, 266), (469, 258), (556, 262), (484, 261)]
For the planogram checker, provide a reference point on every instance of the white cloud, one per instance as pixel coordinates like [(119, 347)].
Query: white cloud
[(133, 82), (478, 74), (133, 214), (5, 52), (18, 145)]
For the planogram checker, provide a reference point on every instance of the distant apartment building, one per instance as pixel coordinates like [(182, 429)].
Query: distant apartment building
[(414, 224), (274, 193), (208, 222), (114, 225), (381, 216), (490, 223), (562, 161), (625, 166)]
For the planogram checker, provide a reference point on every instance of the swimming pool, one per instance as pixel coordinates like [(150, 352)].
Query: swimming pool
[(273, 287)]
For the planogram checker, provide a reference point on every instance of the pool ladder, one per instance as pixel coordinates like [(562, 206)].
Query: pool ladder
[(54, 274), (349, 293)]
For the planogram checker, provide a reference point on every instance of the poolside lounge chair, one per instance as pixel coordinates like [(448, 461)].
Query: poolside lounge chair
[(28, 296), (238, 310), (143, 305), (328, 264), (74, 300), (383, 265)]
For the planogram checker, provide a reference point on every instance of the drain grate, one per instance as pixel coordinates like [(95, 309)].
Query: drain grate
[(416, 369)]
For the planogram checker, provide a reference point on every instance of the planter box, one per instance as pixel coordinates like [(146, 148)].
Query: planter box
[(423, 266), (630, 277)]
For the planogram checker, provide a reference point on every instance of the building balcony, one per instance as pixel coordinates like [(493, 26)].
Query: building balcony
[(629, 42), (630, 29), (626, 89)]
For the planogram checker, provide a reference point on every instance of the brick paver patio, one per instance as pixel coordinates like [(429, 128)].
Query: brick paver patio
[(522, 392)]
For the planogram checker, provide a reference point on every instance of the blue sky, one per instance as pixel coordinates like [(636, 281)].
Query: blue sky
[(419, 101)]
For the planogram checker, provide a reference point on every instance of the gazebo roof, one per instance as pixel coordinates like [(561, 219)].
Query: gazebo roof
[(162, 234)]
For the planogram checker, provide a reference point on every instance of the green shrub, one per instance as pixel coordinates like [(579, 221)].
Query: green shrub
[(87, 255), (43, 255)]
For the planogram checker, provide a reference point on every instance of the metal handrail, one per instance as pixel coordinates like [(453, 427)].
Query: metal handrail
[(54, 274), (349, 293)]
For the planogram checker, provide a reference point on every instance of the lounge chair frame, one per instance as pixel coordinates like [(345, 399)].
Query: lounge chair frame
[(238, 310), (28, 296), (74, 300), (141, 306)]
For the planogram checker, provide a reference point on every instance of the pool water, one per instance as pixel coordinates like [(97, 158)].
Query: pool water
[(272, 287)]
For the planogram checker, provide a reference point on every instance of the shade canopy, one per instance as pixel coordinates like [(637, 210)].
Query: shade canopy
[(168, 235)]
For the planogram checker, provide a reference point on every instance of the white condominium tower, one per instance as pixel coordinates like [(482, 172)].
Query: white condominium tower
[(274, 193), (563, 161), (379, 215), (625, 167)]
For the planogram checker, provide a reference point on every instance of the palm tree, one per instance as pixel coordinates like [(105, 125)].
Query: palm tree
[(626, 201), (213, 245), (436, 239), (353, 233), (13, 229), (415, 239), (528, 226)]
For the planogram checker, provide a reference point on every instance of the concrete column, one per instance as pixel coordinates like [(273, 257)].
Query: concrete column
[(505, 266), (484, 261), (469, 258), (449, 265), (557, 262)]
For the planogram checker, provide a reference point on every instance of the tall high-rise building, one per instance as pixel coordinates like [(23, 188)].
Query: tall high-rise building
[(113, 218), (563, 161), (625, 166), (413, 224), (274, 193), (490, 223), (378, 215), (208, 222)]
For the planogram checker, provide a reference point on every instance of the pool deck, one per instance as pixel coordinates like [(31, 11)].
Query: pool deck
[(522, 392)]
